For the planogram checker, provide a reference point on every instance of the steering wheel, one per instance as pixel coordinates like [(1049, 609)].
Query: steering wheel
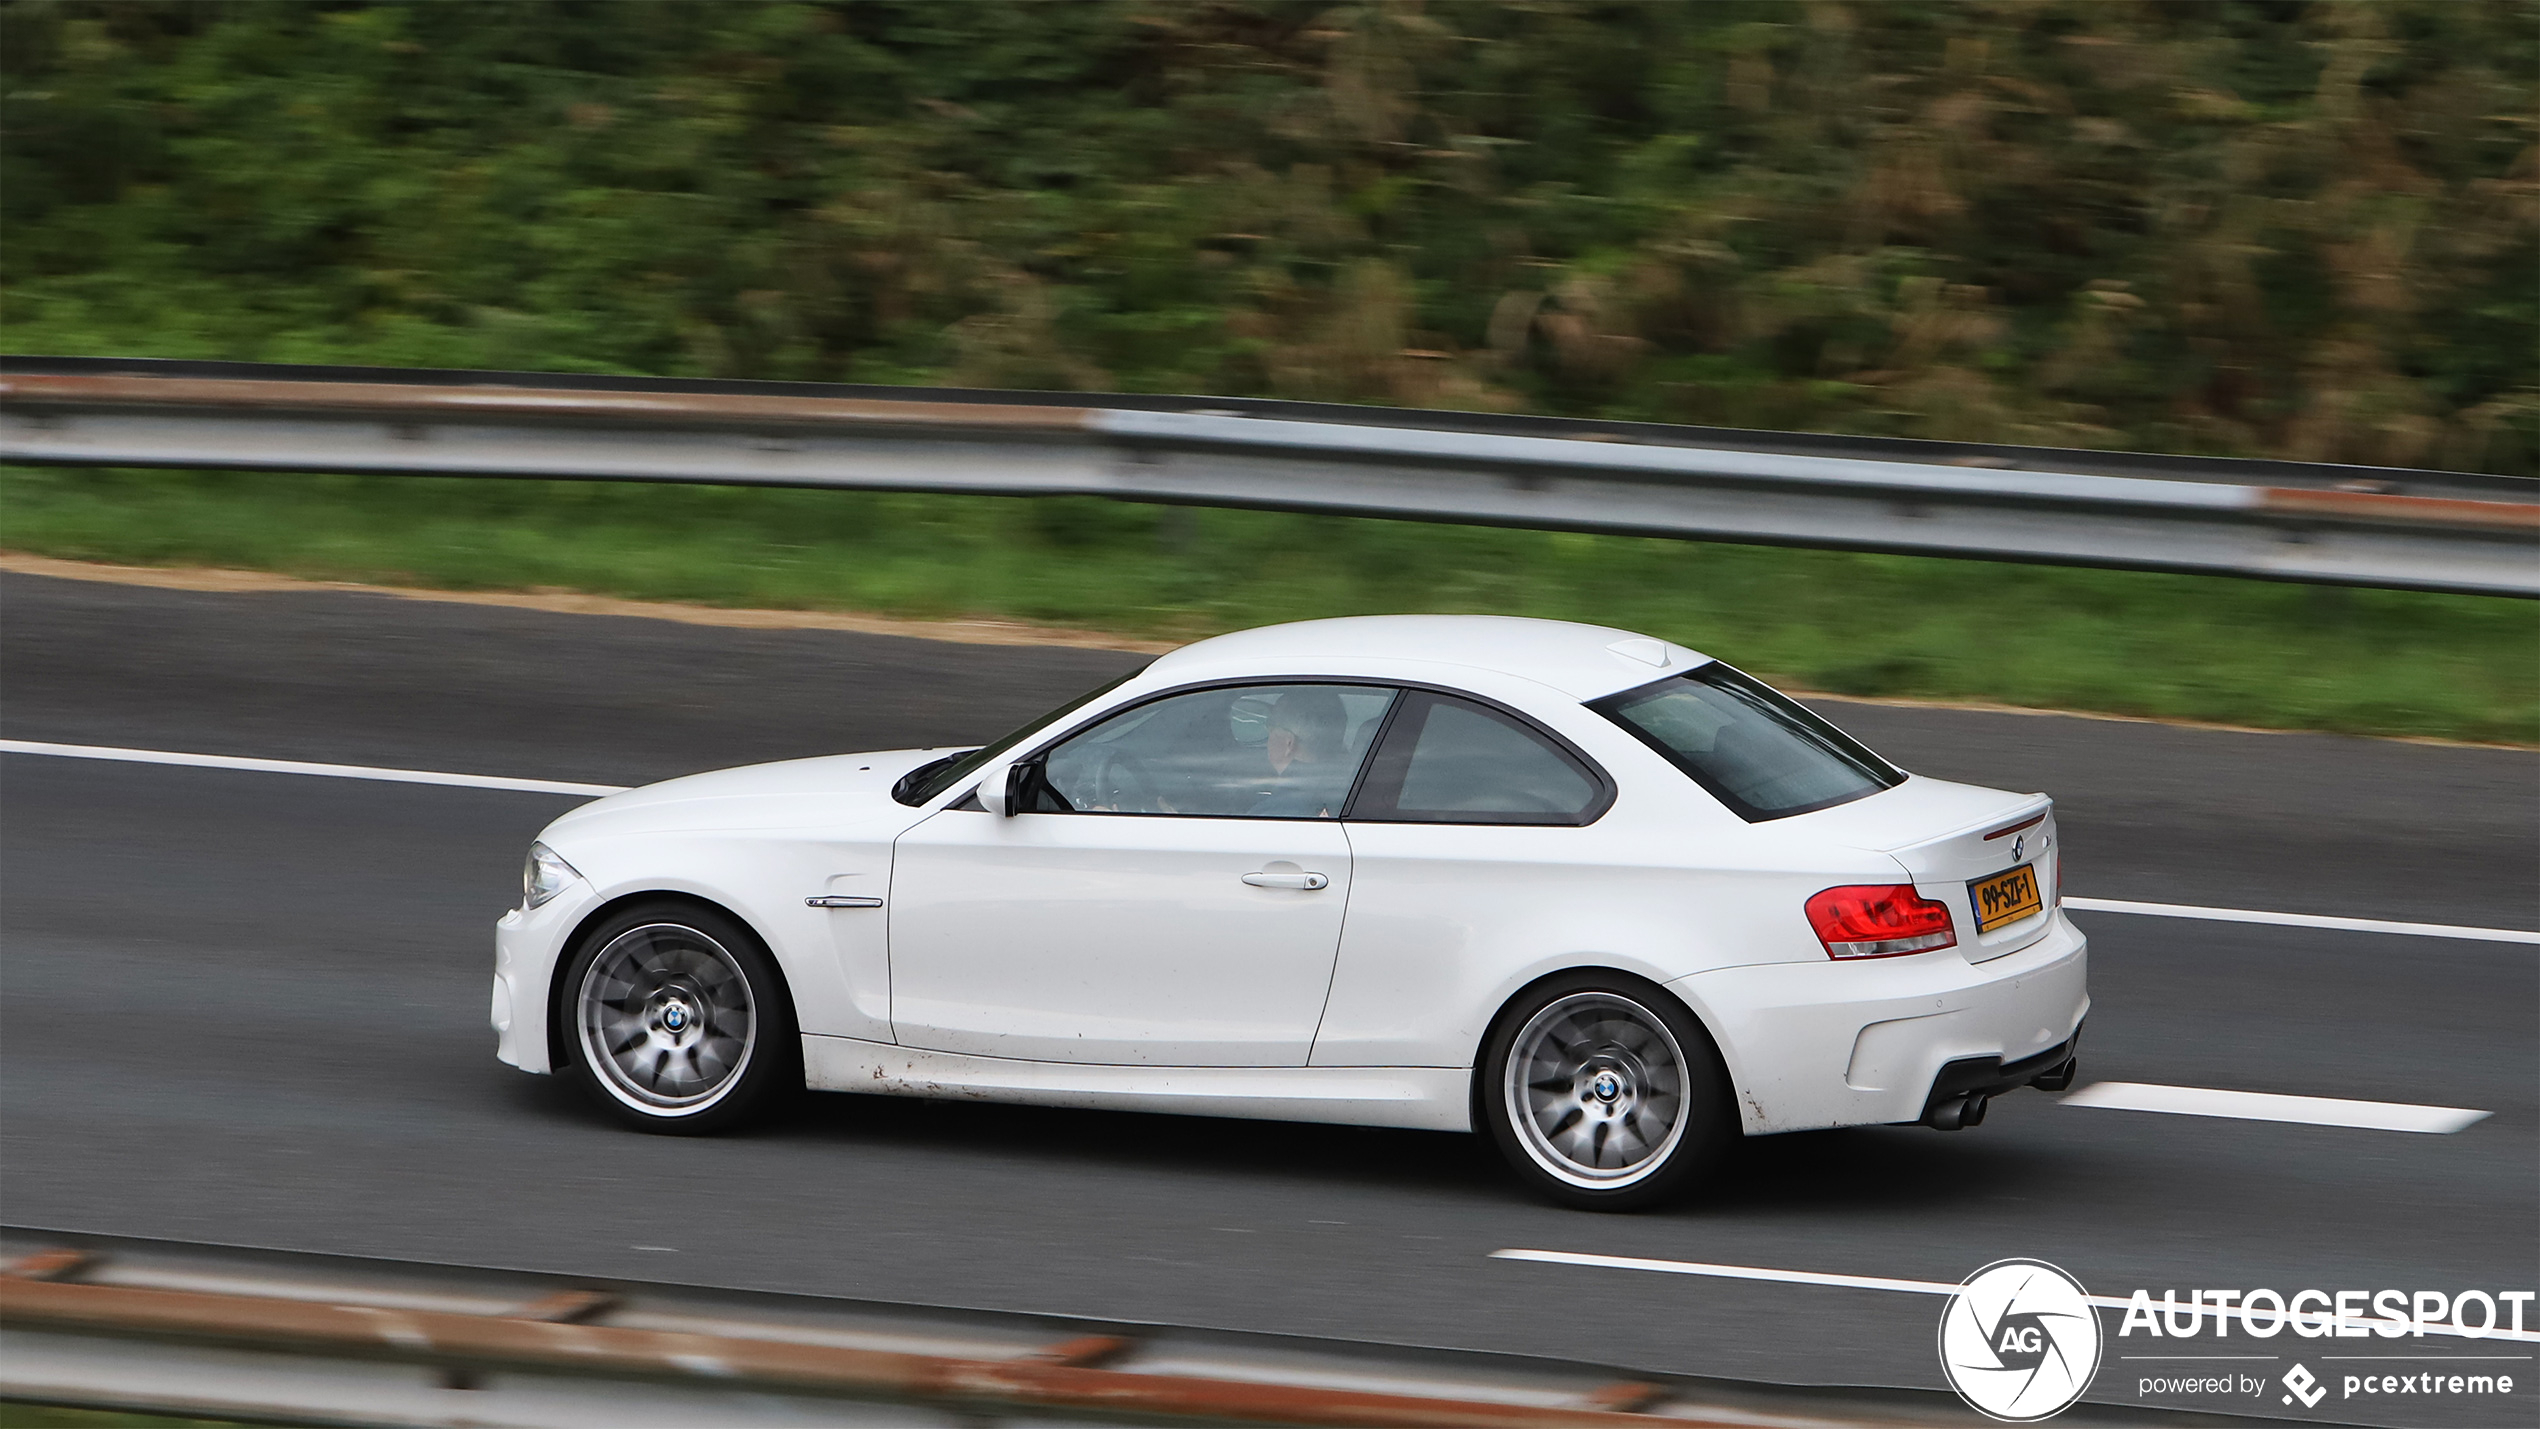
[(1120, 782)]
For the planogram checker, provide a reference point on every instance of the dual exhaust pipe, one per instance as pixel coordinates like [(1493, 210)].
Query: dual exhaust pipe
[(1958, 1113), (1964, 1089)]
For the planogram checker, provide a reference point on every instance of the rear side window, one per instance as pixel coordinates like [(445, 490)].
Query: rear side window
[(1449, 761), (1755, 749)]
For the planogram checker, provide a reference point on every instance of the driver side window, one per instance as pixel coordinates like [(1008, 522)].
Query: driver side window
[(1253, 751)]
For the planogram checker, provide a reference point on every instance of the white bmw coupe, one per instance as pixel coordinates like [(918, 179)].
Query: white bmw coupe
[(1602, 896)]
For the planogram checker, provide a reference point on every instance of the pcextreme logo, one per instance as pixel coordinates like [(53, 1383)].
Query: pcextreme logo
[(2019, 1341), (2303, 1385)]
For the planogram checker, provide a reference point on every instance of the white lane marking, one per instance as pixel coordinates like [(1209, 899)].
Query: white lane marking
[(551, 786), (1737, 1272), (1880, 1282), (2270, 1106), (295, 766), (2301, 920)]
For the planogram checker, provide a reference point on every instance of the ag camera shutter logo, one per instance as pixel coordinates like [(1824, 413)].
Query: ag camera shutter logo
[(2019, 1341)]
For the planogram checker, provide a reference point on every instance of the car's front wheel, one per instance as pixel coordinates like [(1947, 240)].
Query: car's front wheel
[(673, 1018), (1605, 1093)]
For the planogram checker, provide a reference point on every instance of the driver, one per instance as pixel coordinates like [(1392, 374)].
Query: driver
[(1309, 766)]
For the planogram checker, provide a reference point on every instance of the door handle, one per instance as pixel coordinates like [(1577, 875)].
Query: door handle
[(842, 902), (1307, 882)]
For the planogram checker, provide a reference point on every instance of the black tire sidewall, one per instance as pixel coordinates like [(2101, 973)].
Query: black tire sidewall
[(775, 1069), (1710, 1132)]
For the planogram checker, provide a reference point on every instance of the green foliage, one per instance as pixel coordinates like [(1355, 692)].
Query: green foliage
[(2253, 226), (2243, 652)]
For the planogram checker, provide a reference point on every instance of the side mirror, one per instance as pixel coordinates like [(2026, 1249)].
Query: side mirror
[(996, 790)]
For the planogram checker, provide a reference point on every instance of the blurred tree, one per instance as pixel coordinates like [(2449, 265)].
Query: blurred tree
[(2307, 227)]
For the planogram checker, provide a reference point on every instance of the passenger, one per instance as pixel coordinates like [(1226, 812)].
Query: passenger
[(1309, 763)]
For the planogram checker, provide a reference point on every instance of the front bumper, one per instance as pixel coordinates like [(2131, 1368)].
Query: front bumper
[(526, 946), (1864, 1043)]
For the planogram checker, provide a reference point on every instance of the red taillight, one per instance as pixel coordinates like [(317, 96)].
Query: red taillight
[(1879, 921)]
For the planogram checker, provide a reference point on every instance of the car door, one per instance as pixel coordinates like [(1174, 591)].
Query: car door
[(1471, 846), (1170, 893)]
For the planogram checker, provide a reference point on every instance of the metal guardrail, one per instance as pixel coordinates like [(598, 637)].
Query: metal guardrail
[(166, 1327), (2272, 520)]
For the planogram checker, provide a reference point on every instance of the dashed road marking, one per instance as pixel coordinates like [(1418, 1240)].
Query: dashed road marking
[(1889, 1283), (297, 766), (2302, 920), (557, 786), (2271, 1106)]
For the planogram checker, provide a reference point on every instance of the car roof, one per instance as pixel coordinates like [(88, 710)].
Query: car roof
[(1582, 661)]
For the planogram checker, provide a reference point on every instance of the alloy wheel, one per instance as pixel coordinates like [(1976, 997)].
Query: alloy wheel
[(1596, 1090), (666, 1019)]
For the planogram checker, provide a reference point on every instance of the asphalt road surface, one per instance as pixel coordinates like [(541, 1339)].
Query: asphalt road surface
[(250, 1008)]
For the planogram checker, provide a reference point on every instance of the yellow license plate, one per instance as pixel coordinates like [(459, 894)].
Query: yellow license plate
[(2006, 897)]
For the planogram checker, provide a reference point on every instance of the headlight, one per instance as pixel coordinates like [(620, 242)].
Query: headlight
[(544, 876)]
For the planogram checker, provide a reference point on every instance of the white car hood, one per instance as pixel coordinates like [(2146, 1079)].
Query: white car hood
[(794, 793)]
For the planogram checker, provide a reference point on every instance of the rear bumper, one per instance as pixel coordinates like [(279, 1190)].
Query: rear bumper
[(1866, 1043), (1959, 1093)]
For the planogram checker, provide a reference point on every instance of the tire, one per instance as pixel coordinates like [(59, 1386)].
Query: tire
[(701, 1025), (1604, 1092)]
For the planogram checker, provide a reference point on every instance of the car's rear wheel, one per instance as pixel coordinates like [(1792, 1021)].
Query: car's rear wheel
[(1605, 1093), (674, 1020)]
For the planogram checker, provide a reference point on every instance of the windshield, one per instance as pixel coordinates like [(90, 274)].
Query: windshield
[(1755, 749), (930, 779)]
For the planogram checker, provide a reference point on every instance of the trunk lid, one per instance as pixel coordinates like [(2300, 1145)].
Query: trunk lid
[(1956, 840)]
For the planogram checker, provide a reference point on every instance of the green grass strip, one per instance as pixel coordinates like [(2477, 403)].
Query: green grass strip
[(2162, 646)]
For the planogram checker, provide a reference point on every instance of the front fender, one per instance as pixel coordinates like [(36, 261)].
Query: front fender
[(836, 963)]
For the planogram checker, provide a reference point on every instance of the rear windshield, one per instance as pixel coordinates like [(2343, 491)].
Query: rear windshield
[(1755, 749)]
